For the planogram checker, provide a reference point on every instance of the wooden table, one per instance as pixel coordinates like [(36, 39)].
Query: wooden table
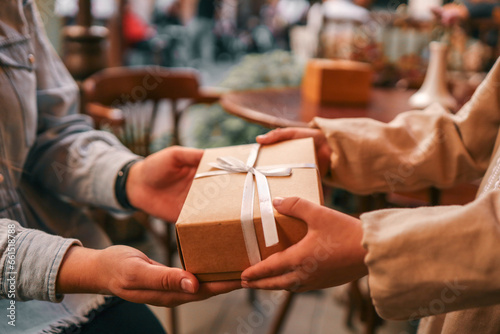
[(285, 107)]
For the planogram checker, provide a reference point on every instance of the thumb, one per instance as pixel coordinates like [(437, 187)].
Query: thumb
[(299, 208), (160, 277), (187, 156), (436, 9), (277, 135)]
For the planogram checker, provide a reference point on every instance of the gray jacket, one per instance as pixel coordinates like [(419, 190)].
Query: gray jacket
[(50, 158)]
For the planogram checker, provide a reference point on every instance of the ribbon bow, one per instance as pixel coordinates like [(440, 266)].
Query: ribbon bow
[(230, 165)]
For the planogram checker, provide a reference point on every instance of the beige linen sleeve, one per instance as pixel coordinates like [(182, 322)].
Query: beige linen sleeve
[(418, 148), (433, 260)]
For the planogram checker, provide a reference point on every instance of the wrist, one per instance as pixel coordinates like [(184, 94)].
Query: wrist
[(361, 252), (79, 272), (122, 192), (133, 185), (356, 251), (324, 159)]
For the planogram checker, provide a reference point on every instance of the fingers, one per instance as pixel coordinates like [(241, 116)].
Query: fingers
[(277, 136), (289, 133), (276, 264), (187, 156), (289, 281), (170, 299), (280, 263), (300, 208), (162, 278)]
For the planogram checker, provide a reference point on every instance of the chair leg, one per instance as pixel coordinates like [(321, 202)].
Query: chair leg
[(372, 319), (362, 304), (171, 311), (175, 118), (174, 326), (280, 317), (354, 304), (168, 248)]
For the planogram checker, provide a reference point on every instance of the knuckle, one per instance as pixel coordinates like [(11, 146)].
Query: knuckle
[(294, 203), (166, 283), (127, 280), (279, 132), (176, 148), (292, 285)]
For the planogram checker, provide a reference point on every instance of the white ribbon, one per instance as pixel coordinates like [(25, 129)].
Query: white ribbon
[(231, 165)]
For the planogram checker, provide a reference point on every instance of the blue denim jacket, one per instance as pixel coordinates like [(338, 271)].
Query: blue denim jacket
[(50, 158)]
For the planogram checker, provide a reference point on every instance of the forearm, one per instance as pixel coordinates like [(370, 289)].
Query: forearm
[(29, 262), (68, 157), (417, 149), (73, 160), (79, 272), (438, 259)]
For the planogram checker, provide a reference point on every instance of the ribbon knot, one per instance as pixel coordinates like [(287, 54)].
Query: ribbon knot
[(230, 165), (234, 165)]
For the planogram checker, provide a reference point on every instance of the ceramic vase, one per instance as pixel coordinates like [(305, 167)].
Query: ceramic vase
[(434, 89)]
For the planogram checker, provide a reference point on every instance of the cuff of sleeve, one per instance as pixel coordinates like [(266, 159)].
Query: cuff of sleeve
[(376, 234), (54, 270), (38, 256), (105, 172), (322, 124)]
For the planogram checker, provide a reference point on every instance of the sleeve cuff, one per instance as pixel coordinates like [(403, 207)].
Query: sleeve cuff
[(323, 125), (36, 258)]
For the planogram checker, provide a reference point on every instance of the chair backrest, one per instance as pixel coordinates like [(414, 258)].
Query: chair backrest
[(137, 91), (119, 85)]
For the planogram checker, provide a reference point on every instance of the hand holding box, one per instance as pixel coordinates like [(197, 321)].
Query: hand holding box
[(215, 242)]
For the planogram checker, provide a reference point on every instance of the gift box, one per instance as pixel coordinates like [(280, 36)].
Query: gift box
[(337, 82), (228, 222)]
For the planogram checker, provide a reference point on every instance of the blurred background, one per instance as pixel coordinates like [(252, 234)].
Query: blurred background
[(217, 47), (243, 44)]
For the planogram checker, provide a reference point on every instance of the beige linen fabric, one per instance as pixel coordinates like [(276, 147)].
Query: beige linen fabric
[(437, 263)]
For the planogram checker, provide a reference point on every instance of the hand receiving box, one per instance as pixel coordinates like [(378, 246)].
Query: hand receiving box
[(228, 221)]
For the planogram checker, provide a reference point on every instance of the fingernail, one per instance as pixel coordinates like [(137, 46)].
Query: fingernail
[(277, 201), (244, 284), (187, 285), (261, 136)]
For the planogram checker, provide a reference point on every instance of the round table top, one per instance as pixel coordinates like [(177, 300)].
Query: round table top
[(285, 107)]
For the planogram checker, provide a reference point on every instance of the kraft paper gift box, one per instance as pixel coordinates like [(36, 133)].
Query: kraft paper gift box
[(214, 243), (341, 82)]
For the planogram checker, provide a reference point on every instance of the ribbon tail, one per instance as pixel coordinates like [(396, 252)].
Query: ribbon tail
[(266, 210), (247, 225)]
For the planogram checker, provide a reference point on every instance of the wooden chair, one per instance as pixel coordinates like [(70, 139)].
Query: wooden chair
[(109, 94), (125, 101)]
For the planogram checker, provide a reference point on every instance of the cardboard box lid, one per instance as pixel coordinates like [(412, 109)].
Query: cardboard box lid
[(218, 198)]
